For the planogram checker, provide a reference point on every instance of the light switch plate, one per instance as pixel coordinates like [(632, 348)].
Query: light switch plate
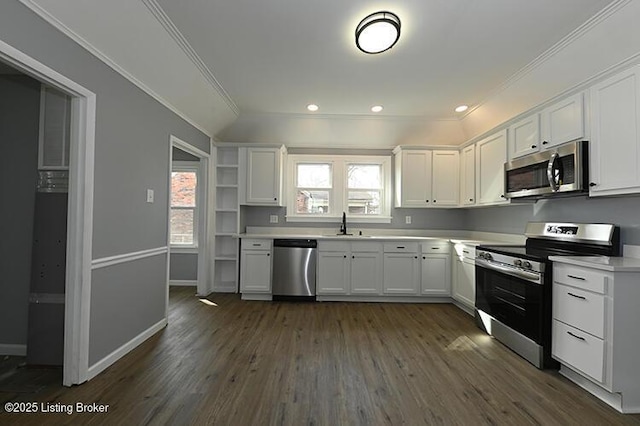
[(273, 218), (149, 195), (407, 220)]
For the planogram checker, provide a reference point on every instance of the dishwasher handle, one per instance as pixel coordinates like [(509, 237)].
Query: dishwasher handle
[(298, 243)]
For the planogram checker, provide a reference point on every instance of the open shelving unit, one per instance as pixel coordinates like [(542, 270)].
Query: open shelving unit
[(226, 221)]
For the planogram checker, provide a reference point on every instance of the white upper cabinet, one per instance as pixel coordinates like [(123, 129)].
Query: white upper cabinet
[(426, 178), (264, 176), (413, 178), (468, 176), (563, 121), (491, 154), (524, 136), (559, 123), (615, 134), (445, 178)]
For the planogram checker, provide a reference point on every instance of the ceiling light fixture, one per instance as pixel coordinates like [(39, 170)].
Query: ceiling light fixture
[(376, 108), (378, 32), (312, 107), (462, 108)]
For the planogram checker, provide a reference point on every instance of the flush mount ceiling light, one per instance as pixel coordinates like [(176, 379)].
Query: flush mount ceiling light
[(378, 32), (462, 108), (376, 108), (312, 107)]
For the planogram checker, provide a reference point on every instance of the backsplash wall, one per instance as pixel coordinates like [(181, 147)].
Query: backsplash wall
[(621, 211)]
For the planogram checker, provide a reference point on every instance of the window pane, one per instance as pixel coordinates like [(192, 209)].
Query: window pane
[(364, 202), (182, 226), (312, 202), (364, 176), (183, 189), (314, 176)]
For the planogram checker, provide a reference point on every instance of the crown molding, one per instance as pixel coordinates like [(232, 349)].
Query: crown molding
[(570, 38), (182, 42), (347, 117)]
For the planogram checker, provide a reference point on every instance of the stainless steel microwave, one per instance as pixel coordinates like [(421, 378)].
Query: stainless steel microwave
[(559, 170)]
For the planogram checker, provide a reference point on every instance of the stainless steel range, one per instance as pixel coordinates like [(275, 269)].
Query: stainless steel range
[(513, 283)]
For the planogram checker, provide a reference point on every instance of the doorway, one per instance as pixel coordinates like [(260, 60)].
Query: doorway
[(77, 281)]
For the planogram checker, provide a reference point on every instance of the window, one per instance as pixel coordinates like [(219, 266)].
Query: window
[(184, 202), (321, 188)]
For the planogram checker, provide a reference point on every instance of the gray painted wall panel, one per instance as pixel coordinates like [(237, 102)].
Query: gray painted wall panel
[(117, 312), (19, 118), (622, 211), (183, 266)]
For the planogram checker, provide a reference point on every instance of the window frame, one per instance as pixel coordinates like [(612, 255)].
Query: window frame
[(194, 167), (339, 191)]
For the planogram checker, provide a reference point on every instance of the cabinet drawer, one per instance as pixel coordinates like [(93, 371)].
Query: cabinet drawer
[(256, 244), (366, 247), (581, 309), (584, 278), (435, 247), (333, 246), (401, 247), (578, 350)]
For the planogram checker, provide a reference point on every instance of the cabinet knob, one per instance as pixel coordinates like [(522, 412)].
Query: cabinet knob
[(427, 201), (592, 184), (435, 201), (424, 258), (345, 256), (415, 257), (470, 199), (534, 146), (502, 196), (353, 257), (545, 142), (275, 199), (268, 254)]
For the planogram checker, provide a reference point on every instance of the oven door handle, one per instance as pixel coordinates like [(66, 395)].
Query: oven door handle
[(519, 273)]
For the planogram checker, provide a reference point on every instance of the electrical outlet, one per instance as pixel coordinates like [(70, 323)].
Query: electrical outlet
[(149, 195), (273, 218), (407, 220)]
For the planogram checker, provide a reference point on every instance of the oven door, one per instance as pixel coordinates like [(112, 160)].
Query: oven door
[(511, 299)]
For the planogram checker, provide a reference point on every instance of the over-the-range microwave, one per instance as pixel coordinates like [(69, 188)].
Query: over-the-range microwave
[(560, 170)]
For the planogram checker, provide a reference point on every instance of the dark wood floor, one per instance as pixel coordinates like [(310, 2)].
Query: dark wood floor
[(254, 363)]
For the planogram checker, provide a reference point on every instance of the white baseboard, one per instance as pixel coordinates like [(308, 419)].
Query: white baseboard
[(114, 356), (13, 350), (183, 283)]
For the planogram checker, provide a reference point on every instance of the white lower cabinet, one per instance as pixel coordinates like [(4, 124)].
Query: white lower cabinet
[(333, 272), (464, 276), (435, 270), (595, 333), (401, 268), (255, 266), (366, 272), (349, 268)]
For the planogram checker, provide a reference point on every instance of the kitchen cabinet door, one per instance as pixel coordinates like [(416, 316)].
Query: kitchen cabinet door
[(615, 135), (255, 271), (435, 277), (413, 178), (524, 137), (445, 178), (468, 176), (366, 273), (563, 121), (464, 283), (491, 154), (401, 273), (333, 273), (264, 176)]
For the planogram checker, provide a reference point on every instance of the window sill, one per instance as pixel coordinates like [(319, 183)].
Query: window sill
[(338, 219), (184, 250)]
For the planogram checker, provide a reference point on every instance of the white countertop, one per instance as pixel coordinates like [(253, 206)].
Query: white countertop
[(604, 263)]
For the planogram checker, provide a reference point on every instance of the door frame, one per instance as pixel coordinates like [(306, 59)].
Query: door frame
[(80, 210), (203, 281)]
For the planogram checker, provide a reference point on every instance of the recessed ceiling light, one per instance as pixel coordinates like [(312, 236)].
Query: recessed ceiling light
[(378, 32), (312, 107), (376, 108), (462, 108)]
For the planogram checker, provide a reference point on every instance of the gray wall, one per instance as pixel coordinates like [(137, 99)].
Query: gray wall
[(131, 155), (622, 211), (183, 267), (19, 119)]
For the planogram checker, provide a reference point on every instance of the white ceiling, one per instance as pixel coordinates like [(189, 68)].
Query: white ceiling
[(244, 70), (280, 55)]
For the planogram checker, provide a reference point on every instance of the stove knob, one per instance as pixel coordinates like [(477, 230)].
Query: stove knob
[(488, 256), (527, 264), (517, 262)]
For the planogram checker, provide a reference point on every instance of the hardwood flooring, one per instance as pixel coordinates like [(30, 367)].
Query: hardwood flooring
[(279, 363)]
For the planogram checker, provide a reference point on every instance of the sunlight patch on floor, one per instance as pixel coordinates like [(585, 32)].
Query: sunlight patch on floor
[(208, 302)]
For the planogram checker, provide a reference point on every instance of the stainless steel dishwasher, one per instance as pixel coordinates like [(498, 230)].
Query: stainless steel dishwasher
[(294, 268)]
